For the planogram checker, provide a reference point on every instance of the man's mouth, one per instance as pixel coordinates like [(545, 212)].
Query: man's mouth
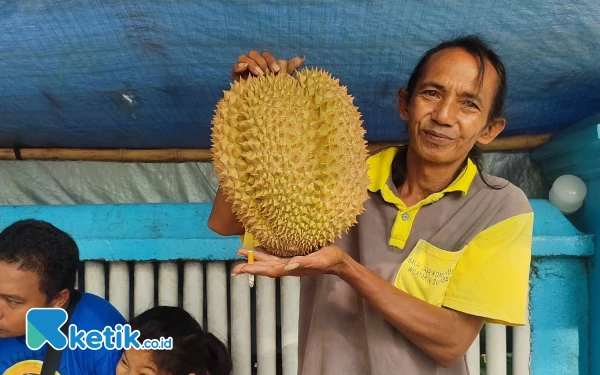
[(437, 138)]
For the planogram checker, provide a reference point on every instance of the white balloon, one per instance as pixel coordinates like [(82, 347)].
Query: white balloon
[(567, 193)]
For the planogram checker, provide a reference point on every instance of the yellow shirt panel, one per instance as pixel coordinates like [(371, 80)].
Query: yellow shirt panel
[(491, 279)]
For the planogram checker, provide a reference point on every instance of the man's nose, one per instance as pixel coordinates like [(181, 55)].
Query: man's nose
[(445, 113)]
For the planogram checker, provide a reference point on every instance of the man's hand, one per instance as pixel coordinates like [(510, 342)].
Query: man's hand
[(330, 259), (258, 64)]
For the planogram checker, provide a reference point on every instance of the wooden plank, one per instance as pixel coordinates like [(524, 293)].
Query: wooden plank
[(205, 155)]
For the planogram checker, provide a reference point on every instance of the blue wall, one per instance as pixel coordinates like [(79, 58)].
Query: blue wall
[(576, 151)]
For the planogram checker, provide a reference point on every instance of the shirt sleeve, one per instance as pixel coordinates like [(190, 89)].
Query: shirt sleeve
[(491, 279)]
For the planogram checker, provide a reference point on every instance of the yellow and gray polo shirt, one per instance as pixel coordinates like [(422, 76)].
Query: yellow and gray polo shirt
[(466, 248)]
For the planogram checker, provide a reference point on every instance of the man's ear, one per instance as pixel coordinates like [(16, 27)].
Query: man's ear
[(61, 300), (491, 131), (403, 103)]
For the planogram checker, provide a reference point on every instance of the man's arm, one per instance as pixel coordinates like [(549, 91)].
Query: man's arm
[(444, 335), (222, 219)]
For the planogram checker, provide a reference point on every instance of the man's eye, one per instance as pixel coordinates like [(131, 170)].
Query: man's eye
[(430, 94), (471, 105)]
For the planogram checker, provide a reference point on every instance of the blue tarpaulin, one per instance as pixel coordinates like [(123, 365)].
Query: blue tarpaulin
[(148, 74)]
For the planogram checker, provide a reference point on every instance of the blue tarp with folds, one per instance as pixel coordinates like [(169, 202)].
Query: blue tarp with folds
[(148, 74)]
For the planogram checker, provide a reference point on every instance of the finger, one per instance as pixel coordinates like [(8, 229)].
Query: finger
[(240, 67), (283, 65), (252, 65), (271, 62), (297, 262), (236, 265), (237, 269), (261, 270), (314, 261), (254, 55), (238, 70), (294, 64), (291, 266), (240, 267)]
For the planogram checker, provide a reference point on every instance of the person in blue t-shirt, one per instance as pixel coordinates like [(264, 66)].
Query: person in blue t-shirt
[(38, 265)]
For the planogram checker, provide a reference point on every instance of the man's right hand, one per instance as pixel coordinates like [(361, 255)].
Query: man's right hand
[(258, 64)]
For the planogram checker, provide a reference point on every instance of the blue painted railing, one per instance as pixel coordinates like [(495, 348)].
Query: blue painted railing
[(134, 232), (138, 232), (576, 151)]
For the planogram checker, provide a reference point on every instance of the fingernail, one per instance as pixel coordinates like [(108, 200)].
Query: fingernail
[(276, 68), (243, 65), (292, 266), (259, 71)]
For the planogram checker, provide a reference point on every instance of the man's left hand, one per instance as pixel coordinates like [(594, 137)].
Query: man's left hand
[(329, 259)]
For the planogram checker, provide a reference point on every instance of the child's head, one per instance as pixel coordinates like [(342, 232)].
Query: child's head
[(193, 351)]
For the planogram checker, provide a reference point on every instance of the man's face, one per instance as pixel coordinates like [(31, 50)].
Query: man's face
[(19, 292), (449, 111)]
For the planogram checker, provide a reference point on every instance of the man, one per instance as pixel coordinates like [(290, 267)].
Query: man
[(440, 249), (38, 265)]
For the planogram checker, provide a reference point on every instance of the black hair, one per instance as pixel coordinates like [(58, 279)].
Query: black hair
[(476, 47), (194, 350), (40, 247)]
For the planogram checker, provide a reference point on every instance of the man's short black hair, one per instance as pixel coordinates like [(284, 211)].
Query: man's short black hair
[(40, 247)]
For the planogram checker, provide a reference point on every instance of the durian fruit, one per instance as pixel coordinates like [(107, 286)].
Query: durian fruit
[(290, 155)]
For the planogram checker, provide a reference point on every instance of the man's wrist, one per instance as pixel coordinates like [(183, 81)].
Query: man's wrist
[(344, 267)]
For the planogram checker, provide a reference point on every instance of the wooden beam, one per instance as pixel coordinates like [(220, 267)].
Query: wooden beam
[(204, 155)]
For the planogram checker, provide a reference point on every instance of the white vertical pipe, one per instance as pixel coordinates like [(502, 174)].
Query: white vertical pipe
[(95, 281), (290, 310), (167, 284), (143, 288), (241, 340), (193, 289), (495, 346), (474, 357), (118, 292), (216, 286), (266, 326), (521, 349)]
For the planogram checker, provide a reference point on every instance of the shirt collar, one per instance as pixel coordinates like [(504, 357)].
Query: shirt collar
[(380, 167)]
